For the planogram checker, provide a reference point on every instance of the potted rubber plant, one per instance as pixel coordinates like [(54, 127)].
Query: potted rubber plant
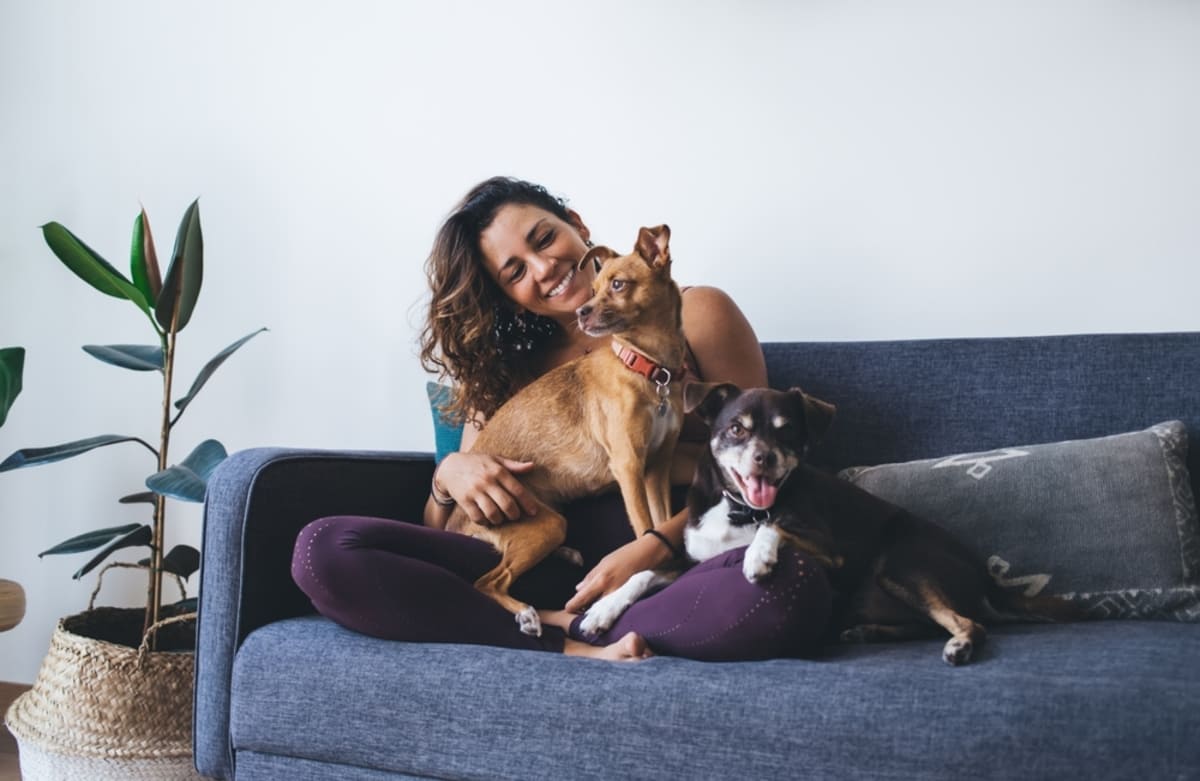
[(137, 661)]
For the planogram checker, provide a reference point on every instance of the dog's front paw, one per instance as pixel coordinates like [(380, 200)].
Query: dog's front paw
[(958, 651), (761, 557), (530, 622), (758, 567), (603, 614)]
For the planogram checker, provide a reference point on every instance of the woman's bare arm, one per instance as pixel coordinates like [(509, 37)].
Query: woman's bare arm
[(484, 486)]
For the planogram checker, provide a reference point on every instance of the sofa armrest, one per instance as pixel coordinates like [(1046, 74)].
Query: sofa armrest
[(257, 502)]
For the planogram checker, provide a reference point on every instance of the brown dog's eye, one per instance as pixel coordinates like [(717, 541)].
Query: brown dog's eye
[(617, 284)]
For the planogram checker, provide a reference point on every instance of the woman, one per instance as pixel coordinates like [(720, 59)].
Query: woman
[(505, 287)]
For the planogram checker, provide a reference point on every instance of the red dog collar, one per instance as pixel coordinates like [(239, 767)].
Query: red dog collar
[(637, 362)]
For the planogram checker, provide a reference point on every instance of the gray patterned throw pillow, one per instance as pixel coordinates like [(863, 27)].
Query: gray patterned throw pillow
[(1110, 522)]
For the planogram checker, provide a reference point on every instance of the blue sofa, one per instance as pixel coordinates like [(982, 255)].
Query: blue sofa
[(284, 694)]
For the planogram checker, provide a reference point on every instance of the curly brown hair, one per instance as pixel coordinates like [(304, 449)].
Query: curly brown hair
[(467, 332)]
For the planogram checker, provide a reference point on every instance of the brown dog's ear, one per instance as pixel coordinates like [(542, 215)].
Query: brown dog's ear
[(818, 415), (652, 245), (707, 398), (596, 255)]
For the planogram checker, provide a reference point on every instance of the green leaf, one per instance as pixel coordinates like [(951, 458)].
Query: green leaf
[(44, 455), (90, 540), (211, 367), (12, 364), (143, 259), (142, 535), (145, 497), (182, 560), (139, 357), (189, 480), (87, 264), (181, 287)]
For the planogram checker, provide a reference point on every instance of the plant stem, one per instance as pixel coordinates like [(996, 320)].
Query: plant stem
[(154, 598)]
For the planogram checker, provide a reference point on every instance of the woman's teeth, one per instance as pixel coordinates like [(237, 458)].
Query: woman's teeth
[(561, 286)]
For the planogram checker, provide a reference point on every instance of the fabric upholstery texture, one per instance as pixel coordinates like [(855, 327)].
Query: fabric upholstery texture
[(257, 502), (865, 711), (283, 694), (907, 400), (1110, 521), (275, 767)]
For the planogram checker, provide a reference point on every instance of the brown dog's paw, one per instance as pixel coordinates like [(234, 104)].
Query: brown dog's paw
[(958, 651), (530, 622)]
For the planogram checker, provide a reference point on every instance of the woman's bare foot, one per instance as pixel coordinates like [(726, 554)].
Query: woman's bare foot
[(630, 648)]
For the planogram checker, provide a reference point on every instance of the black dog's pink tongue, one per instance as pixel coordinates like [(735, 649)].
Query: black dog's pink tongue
[(758, 493)]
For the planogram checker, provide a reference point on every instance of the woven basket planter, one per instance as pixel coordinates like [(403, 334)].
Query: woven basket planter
[(104, 707)]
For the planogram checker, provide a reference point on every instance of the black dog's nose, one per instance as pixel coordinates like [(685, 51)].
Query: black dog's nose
[(764, 458)]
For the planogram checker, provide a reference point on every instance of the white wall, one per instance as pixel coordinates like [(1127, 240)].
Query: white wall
[(846, 170)]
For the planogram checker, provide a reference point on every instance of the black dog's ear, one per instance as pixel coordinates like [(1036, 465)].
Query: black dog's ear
[(818, 415), (652, 245), (596, 255), (707, 398)]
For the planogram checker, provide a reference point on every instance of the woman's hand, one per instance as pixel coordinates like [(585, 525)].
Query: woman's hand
[(486, 487), (646, 552)]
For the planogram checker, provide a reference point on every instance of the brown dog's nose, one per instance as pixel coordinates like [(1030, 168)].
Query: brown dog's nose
[(584, 310)]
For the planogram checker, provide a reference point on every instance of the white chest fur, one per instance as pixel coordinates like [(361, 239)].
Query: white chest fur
[(662, 425), (714, 534)]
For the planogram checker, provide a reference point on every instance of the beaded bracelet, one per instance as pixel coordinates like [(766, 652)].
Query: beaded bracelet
[(440, 496)]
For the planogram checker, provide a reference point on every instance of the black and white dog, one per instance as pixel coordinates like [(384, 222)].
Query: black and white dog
[(736, 487), (895, 575)]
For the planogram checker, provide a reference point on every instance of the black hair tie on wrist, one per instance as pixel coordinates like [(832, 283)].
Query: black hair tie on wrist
[(675, 552)]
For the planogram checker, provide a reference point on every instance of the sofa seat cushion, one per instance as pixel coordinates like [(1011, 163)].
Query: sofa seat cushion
[(1097, 699)]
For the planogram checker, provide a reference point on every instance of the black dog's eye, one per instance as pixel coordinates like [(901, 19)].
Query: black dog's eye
[(737, 430)]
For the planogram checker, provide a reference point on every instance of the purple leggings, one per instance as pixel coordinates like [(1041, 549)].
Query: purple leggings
[(401, 581)]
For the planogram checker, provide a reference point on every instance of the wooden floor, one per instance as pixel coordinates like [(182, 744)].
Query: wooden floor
[(9, 770)]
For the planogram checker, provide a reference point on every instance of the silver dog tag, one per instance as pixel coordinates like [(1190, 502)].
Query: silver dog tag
[(663, 395)]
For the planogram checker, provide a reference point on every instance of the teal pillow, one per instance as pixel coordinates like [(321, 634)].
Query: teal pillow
[(447, 437)]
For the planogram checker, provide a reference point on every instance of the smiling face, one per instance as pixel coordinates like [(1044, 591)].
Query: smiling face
[(532, 255)]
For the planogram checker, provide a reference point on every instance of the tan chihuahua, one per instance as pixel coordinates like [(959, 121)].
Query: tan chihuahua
[(613, 415)]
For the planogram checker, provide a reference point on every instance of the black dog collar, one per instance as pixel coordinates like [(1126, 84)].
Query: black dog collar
[(742, 514)]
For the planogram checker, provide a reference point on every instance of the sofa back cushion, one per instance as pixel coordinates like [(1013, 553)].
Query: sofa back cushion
[(907, 400)]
